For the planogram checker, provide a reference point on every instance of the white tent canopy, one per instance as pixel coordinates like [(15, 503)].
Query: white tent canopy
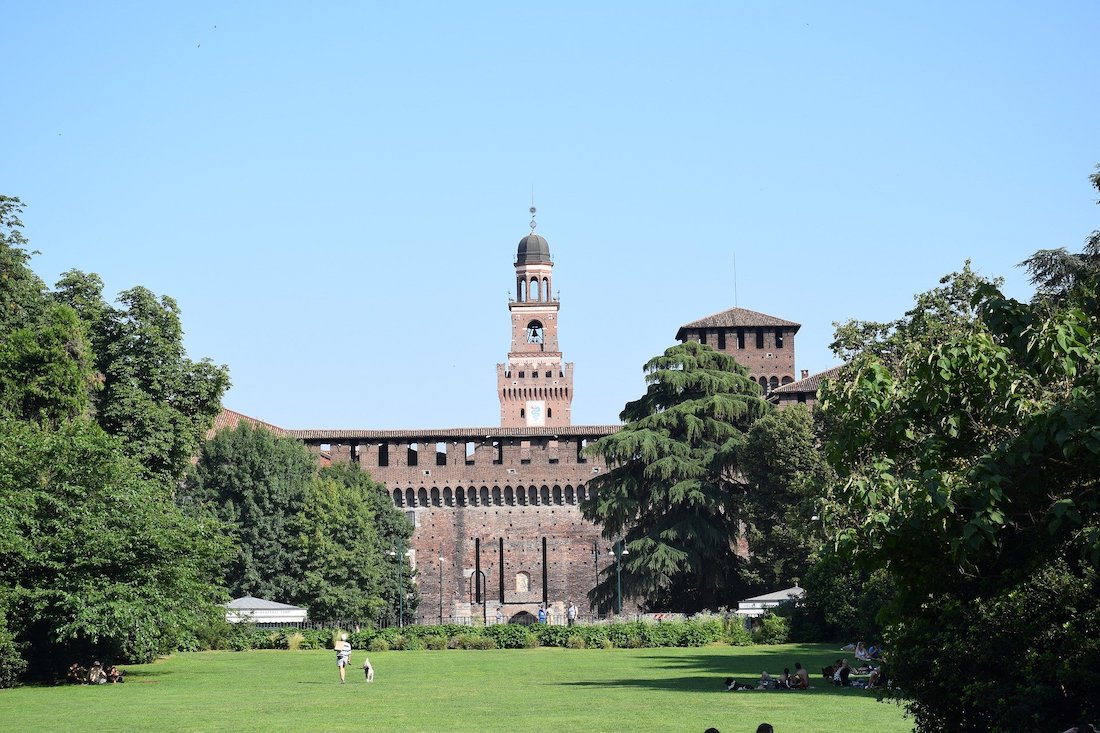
[(759, 605), (259, 611)]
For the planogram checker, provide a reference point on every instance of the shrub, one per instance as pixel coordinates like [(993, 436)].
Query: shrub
[(12, 664), (435, 642), (508, 636), (473, 641), (412, 644), (773, 629), (551, 635), (575, 641), (595, 636), (736, 633), (378, 644), (693, 635)]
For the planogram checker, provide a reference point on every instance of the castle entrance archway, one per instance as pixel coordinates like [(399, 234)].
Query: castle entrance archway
[(524, 618)]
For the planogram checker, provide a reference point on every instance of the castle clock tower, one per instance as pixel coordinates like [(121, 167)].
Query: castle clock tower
[(535, 386)]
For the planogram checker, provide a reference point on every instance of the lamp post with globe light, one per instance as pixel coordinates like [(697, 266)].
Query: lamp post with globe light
[(620, 550)]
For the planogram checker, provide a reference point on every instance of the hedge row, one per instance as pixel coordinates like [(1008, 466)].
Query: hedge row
[(697, 631)]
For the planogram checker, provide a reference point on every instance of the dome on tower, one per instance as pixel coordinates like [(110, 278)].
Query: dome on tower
[(532, 248)]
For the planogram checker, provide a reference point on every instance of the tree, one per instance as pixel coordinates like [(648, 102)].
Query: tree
[(159, 402), (258, 484), (46, 371), (786, 471), (98, 561), (348, 525), (672, 490), (970, 468), (22, 293)]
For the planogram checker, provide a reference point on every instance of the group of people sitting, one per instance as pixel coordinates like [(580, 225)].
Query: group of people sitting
[(864, 653), (97, 674), (799, 680), (840, 672)]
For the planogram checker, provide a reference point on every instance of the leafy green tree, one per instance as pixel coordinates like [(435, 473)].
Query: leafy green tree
[(22, 293), (98, 561), (349, 524), (46, 370), (673, 489), (257, 483), (786, 471), (970, 472), (158, 401)]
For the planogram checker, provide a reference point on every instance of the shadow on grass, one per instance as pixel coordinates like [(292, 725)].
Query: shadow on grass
[(711, 669)]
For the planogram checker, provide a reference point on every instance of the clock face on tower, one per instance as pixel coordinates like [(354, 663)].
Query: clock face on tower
[(534, 332)]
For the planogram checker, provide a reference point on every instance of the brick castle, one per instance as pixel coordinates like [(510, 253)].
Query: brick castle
[(498, 530)]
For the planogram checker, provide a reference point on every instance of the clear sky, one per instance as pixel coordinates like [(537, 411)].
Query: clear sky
[(333, 192)]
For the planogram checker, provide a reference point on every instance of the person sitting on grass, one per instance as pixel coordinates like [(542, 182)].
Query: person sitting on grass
[(786, 681), (765, 681), (77, 674), (732, 685), (802, 677), (841, 673)]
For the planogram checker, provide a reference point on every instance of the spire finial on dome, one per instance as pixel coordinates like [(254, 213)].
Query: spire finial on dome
[(533, 225)]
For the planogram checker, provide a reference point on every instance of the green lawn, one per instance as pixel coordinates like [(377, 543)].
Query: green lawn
[(565, 690)]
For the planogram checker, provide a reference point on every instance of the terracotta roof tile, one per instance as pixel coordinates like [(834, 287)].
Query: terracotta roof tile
[(738, 318), (809, 384), (229, 419)]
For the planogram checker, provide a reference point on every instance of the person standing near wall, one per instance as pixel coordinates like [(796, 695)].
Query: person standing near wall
[(571, 613)]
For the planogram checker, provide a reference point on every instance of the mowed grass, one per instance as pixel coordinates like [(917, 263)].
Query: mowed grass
[(635, 690)]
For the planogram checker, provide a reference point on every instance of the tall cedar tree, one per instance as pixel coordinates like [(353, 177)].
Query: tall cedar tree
[(970, 468), (673, 491)]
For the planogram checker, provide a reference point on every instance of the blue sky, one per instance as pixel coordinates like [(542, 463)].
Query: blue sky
[(333, 192)]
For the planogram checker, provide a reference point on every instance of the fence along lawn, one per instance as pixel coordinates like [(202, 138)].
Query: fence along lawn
[(565, 690)]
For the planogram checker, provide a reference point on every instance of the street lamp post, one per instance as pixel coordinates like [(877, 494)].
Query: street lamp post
[(620, 550), (398, 553), (440, 590), (596, 567)]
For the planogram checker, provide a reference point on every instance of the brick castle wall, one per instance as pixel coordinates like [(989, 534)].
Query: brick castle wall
[(466, 489)]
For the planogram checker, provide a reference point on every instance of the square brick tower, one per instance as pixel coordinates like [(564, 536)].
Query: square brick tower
[(763, 343), (535, 387)]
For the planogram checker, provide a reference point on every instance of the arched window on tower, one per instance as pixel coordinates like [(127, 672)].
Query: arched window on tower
[(534, 291), (545, 289), (773, 383)]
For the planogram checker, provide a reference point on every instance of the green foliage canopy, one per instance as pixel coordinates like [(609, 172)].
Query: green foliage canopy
[(786, 471), (257, 483), (969, 457), (97, 559)]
